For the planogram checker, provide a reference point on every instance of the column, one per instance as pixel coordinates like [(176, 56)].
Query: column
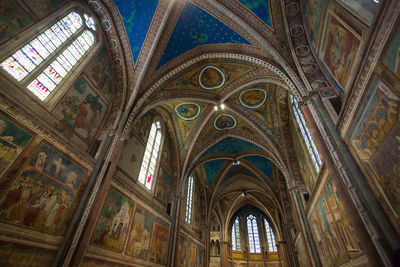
[(371, 225), (226, 248), (282, 252)]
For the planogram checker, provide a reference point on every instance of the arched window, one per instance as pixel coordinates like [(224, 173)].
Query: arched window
[(312, 150), (43, 62), (189, 200), (236, 236), (270, 237), (252, 229), (151, 155)]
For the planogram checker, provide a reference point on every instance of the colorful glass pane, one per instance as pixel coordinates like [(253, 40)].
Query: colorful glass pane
[(53, 37), (32, 54), (59, 68), (189, 199), (75, 19), (252, 228), (38, 89), (53, 74), (64, 62), (46, 81), (14, 68), (149, 158), (59, 32), (38, 46)]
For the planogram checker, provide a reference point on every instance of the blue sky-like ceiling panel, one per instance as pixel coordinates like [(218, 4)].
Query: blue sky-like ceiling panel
[(137, 16), (263, 164), (230, 145), (197, 27), (260, 8), (212, 168)]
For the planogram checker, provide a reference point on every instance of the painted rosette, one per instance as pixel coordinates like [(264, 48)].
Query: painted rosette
[(253, 98), (188, 111), (224, 122), (211, 78)]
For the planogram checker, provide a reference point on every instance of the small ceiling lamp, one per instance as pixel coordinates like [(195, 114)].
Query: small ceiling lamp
[(235, 162), (219, 107)]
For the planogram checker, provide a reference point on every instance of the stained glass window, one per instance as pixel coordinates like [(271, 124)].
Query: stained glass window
[(151, 154), (312, 149), (37, 66), (270, 237), (189, 200), (252, 229), (236, 236)]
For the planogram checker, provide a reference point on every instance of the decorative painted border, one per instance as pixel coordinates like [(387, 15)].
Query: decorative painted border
[(215, 87), (188, 119), (221, 129)]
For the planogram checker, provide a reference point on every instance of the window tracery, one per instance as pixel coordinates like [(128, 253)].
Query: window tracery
[(41, 64), (254, 241), (236, 236), (312, 149), (189, 200), (151, 155), (270, 237)]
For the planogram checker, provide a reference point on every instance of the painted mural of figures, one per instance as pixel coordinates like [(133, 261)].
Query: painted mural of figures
[(112, 227), (41, 159), (339, 50), (71, 180), (81, 109), (334, 235), (10, 200), (13, 140), (139, 240)]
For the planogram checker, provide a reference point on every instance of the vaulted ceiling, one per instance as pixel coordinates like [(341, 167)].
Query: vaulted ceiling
[(222, 70)]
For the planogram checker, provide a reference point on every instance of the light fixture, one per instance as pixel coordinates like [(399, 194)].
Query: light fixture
[(220, 106), (235, 162)]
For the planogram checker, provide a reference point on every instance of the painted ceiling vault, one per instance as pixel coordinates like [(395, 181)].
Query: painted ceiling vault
[(222, 71)]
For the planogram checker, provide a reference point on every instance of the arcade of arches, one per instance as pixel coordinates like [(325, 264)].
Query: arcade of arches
[(199, 133)]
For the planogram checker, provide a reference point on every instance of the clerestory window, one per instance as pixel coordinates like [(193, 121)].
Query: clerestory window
[(151, 155), (254, 241), (42, 63), (312, 149), (236, 236), (189, 200), (270, 237)]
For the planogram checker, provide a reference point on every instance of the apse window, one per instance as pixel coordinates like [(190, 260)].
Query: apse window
[(151, 155), (312, 149), (189, 200), (270, 237), (236, 236), (41, 64), (252, 229)]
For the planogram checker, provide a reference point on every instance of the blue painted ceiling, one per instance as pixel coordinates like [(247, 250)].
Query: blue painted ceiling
[(212, 168), (260, 8), (230, 146), (197, 27), (263, 164), (137, 16)]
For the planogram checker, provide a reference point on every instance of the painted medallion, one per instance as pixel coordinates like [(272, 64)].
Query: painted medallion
[(188, 111), (211, 77), (225, 122), (253, 98)]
